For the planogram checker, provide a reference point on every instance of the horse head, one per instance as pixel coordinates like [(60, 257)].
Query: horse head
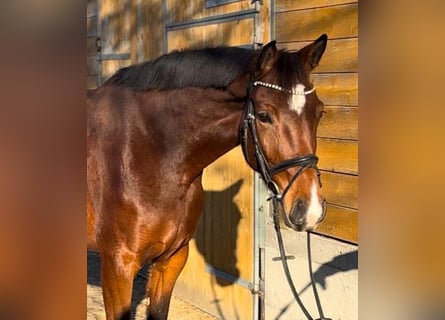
[(279, 131)]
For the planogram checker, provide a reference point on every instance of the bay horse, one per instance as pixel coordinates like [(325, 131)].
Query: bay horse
[(153, 127)]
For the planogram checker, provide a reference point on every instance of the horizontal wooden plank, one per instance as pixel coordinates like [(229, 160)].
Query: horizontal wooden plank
[(338, 155), (340, 189), (180, 11), (286, 5), (234, 33), (340, 223), (339, 122), (338, 89), (341, 55), (337, 22)]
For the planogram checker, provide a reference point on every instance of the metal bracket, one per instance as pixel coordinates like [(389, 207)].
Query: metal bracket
[(115, 56), (98, 44), (230, 278), (289, 257)]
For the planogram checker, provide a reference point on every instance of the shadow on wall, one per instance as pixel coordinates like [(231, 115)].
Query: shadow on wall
[(341, 263), (216, 238), (216, 233)]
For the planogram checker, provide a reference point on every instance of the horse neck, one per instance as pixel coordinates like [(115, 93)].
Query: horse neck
[(204, 125)]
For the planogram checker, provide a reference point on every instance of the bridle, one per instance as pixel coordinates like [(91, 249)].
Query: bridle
[(264, 168), (267, 172)]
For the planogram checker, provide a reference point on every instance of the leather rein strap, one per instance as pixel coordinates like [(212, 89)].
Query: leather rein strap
[(267, 172)]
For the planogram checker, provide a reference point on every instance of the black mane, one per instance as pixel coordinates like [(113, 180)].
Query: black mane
[(205, 68)]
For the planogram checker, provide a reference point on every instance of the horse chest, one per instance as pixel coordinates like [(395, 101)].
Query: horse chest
[(175, 217)]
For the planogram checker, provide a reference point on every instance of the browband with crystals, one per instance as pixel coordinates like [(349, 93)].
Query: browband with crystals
[(277, 87)]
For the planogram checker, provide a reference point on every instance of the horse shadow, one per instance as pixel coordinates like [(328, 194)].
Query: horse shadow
[(341, 263), (217, 234), (216, 238)]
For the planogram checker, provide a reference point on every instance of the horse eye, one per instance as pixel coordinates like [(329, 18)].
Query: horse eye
[(263, 116)]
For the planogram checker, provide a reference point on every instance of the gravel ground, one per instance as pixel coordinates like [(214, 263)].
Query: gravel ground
[(179, 309)]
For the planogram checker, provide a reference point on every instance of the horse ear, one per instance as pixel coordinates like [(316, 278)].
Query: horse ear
[(267, 58), (235, 188), (312, 53)]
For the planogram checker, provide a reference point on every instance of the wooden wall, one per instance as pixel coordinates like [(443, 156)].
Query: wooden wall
[(297, 23), (147, 29)]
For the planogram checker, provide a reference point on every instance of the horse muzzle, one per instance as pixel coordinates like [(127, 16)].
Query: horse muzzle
[(305, 216)]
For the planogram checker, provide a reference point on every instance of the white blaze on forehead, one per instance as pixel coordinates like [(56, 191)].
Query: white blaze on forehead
[(298, 99), (315, 209)]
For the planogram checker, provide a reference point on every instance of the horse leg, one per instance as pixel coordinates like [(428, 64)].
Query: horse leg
[(117, 273), (162, 278)]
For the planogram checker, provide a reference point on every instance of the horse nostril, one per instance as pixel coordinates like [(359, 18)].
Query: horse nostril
[(298, 212), (300, 205)]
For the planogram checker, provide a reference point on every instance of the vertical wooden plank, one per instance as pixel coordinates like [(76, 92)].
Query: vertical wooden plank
[(263, 28), (153, 28), (91, 27), (91, 8), (92, 82), (115, 19), (117, 27)]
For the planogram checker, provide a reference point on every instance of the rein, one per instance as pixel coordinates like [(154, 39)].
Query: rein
[(267, 172)]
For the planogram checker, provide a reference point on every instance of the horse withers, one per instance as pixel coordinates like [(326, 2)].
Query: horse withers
[(153, 127)]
